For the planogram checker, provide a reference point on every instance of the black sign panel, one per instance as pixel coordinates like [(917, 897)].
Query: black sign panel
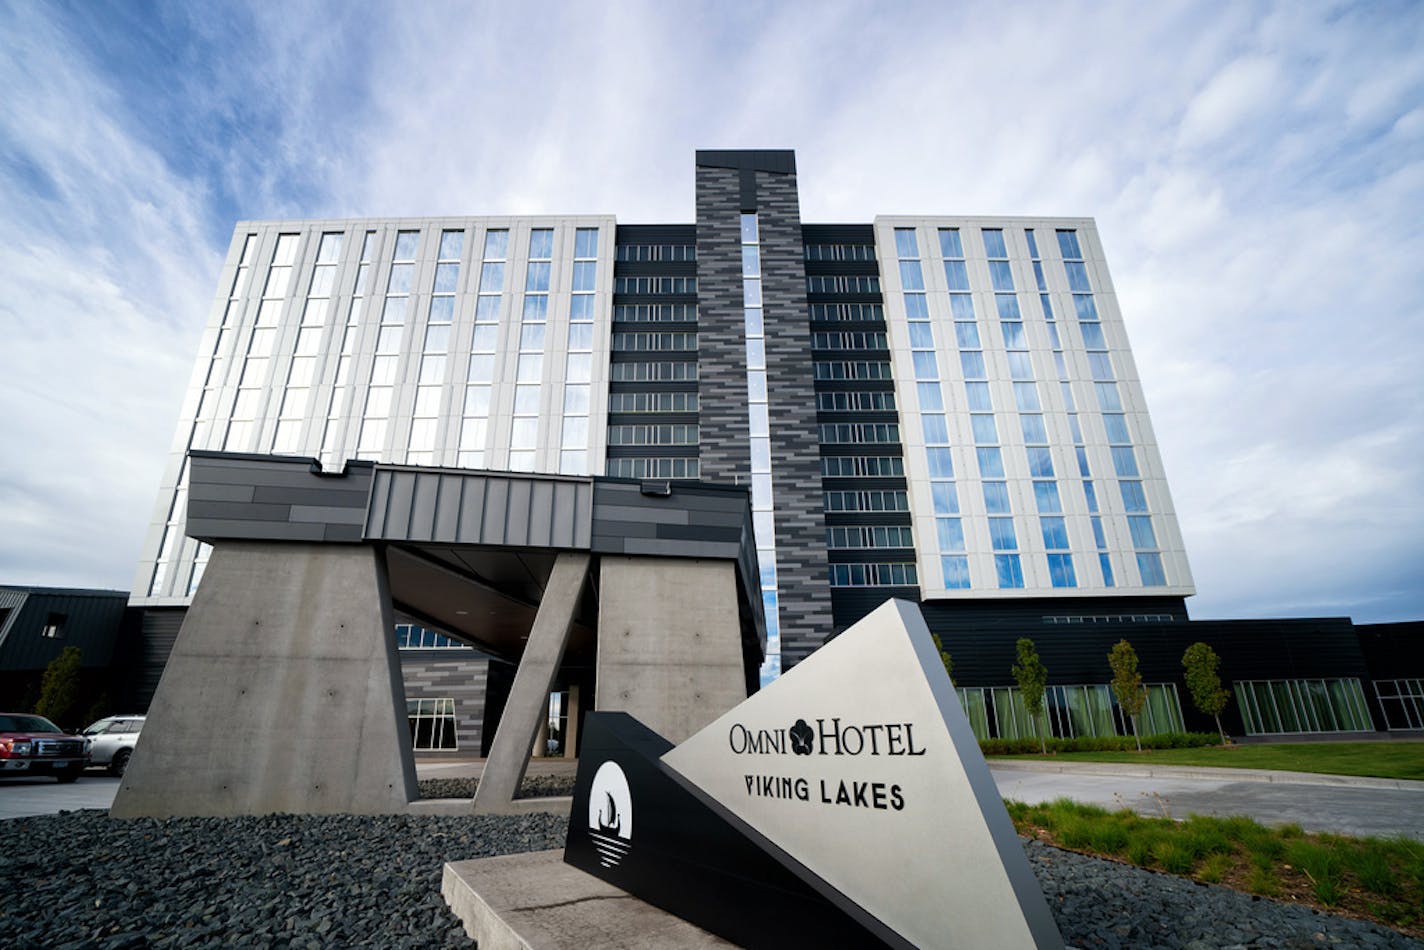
[(636, 825)]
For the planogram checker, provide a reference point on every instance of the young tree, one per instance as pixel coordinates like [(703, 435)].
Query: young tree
[(1032, 678), (1204, 684), (1127, 684), (60, 686), (944, 657)]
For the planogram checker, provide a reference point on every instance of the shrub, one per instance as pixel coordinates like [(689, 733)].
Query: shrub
[(1165, 740)]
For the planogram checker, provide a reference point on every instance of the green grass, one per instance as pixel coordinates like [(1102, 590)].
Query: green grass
[(1403, 759), (1379, 879)]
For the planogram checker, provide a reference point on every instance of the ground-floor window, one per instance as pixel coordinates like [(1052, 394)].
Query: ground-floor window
[(1402, 702), (998, 712), (1273, 707), (432, 724)]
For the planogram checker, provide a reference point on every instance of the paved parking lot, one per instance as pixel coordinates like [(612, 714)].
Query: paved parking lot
[(1343, 808), (44, 796)]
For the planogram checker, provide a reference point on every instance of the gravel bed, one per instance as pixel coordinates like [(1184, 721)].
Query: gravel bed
[(81, 879), (1100, 903), (533, 786)]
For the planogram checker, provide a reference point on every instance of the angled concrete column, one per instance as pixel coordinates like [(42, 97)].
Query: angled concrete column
[(528, 703), (669, 642), (283, 692)]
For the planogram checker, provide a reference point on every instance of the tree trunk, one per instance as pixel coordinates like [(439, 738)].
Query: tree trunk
[(1217, 716), (1042, 734), (1135, 735)]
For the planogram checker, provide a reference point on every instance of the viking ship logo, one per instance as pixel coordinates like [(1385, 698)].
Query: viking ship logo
[(610, 815)]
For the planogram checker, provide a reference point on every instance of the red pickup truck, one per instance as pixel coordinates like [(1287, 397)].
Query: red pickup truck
[(32, 745)]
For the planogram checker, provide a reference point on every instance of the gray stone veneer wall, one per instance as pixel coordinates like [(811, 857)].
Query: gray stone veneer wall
[(767, 185), (451, 674)]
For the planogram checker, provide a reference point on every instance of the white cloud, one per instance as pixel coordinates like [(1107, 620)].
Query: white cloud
[(1251, 168)]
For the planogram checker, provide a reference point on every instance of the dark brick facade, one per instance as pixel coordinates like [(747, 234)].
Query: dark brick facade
[(727, 185)]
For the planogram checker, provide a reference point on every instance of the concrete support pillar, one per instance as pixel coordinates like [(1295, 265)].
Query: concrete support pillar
[(528, 703), (283, 692), (541, 741), (571, 723), (669, 642)]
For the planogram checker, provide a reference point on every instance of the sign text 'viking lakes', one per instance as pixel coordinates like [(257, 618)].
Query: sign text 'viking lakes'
[(827, 738)]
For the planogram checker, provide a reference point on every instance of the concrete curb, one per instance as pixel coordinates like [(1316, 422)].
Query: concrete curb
[(1272, 776)]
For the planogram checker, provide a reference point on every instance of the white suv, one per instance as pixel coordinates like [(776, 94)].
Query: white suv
[(111, 741)]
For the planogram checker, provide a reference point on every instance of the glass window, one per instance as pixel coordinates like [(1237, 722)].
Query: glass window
[(749, 229), (451, 244), (401, 275), (1001, 534), (537, 278), (991, 462), (1026, 397), (1101, 366), (1068, 245), (586, 242), (405, 245), (950, 532), (1060, 570), (536, 308), (584, 272), (576, 399), (994, 243), (936, 431), (1055, 533), (945, 498), (996, 498), (972, 363), (1020, 366), (1045, 495), (1009, 570), (1105, 564), (524, 433), (496, 245), (1093, 336), (941, 464), (1000, 275), (956, 276), (1149, 565), (1124, 461), (1108, 399), (966, 334), (580, 368), (985, 432), (1077, 276), (979, 398), (930, 395), (1143, 537), (1116, 426), (1040, 461), (1085, 308), (956, 571), (911, 277), (492, 277), (526, 399), (949, 243), (1014, 338), (916, 308), (961, 307), (541, 244), (531, 367), (921, 336), (1034, 431), (1133, 497), (925, 367), (531, 337), (905, 243)]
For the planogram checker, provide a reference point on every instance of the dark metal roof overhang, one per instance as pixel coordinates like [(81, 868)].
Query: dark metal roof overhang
[(469, 552)]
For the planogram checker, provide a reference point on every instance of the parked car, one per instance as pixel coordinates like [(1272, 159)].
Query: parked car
[(32, 745), (111, 741)]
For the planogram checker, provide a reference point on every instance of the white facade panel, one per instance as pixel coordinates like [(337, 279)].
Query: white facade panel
[(354, 339), (1032, 467)]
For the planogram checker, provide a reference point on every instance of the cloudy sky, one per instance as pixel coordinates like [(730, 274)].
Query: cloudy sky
[(1256, 171)]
